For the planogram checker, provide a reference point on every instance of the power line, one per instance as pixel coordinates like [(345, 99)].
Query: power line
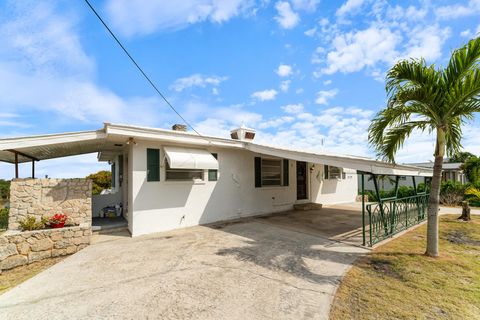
[(139, 68)]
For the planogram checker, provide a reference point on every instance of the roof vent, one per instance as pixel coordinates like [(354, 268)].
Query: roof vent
[(179, 127), (243, 133)]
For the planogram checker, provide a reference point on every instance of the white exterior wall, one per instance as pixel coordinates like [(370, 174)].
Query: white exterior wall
[(333, 191), (167, 205)]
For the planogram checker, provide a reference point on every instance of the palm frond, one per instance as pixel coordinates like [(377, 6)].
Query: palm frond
[(453, 137), (411, 73), (462, 60), (463, 93), (394, 138)]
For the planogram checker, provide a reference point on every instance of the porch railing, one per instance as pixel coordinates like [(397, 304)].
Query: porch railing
[(390, 216)]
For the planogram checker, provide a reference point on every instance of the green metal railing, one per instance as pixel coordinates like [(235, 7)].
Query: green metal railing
[(390, 216)]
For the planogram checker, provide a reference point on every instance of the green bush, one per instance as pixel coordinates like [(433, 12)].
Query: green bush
[(3, 218), (31, 223)]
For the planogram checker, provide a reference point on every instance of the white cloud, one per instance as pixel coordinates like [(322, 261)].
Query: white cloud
[(466, 33), (307, 5), (197, 80), (43, 40), (311, 32), (285, 85), (284, 70), (275, 122), (265, 95), (355, 50), (324, 95), (458, 10), (286, 17), (327, 82), (426, 42), (293, 108), (349, 7), (132, 17)]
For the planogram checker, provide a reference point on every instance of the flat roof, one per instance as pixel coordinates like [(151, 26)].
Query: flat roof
[(111, 139)]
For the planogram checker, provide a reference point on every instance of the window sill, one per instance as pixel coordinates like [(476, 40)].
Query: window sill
[(272, 187), (185, 182)]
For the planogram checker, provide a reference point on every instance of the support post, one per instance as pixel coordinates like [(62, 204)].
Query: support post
[(417, 200), (16, 165), (33, 169), (393, 210), (363, 208), (380, 203)]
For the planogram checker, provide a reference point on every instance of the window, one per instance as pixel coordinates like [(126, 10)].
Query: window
[(213, 173), (271, 172), (153, 165), (183, 174), (331, 172)]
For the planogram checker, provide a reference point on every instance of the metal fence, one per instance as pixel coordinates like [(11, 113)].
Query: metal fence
[(390, 216)]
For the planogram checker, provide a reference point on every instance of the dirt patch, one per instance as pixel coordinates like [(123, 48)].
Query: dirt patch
[(12, 278), (385, 267), (461, 237)]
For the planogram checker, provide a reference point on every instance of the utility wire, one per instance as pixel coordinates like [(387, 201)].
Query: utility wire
[(139, 68)]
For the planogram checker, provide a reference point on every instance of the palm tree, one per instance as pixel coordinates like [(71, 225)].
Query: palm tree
[(438, 100)]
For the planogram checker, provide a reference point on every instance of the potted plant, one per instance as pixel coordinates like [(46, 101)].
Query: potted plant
[(58, 220)]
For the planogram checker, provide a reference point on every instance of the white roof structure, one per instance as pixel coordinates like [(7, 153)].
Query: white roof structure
[(112, 138)]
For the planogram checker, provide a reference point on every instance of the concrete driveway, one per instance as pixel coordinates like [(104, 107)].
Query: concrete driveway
[(254, 269)]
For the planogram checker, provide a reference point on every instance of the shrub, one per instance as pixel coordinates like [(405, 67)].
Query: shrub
[(452, 193), (4, 218), (100, 181), (31, 223)]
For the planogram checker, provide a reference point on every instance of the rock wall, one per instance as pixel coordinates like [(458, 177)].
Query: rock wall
[(20, 248), (46, 197)]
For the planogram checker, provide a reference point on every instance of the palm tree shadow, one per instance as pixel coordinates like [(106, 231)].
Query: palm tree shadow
[(314, 259)]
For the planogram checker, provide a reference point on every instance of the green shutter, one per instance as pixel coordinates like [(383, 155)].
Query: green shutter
[(213, 173), (113, 175), (285, 172), (325, 171), (153, 165), (258, 172)]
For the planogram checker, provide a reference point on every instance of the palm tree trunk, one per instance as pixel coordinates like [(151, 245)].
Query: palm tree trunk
[(434, 199)]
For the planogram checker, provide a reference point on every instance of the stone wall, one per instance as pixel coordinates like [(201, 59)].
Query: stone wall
[(46, 197), (20, 248)]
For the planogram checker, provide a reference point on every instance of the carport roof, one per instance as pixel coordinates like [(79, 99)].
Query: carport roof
[(112, 138)]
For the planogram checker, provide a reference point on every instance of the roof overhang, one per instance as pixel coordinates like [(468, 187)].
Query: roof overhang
[(53, 146), (344, 161), (111, 141)]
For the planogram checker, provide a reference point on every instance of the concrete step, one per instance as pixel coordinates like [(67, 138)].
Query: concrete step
[(97, 230), (307, 206)]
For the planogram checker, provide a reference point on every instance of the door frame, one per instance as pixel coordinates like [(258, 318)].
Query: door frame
[(307, 183)]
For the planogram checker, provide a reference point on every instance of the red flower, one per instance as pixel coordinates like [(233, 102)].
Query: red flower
[(58, 218)]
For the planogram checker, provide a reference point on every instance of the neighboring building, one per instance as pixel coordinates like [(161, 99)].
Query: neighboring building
[(450, 171), (168, 179)]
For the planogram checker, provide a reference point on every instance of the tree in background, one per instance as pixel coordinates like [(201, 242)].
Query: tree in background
[(4, 189), (100, 181), (471, 168), (461, 156), (436, 100)]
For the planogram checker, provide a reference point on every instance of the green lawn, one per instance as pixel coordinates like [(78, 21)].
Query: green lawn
[(396, 281)]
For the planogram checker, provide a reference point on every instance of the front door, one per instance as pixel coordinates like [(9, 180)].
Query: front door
[(301, 180)]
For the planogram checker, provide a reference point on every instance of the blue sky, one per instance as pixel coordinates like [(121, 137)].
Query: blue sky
[(299, 71)]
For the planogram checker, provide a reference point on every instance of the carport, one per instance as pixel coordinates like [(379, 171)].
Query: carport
[(369, 222)]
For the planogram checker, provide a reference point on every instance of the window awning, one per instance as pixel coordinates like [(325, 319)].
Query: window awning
[(185, 158)]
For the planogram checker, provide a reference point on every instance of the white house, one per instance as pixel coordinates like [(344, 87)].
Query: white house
[(169, 179)]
